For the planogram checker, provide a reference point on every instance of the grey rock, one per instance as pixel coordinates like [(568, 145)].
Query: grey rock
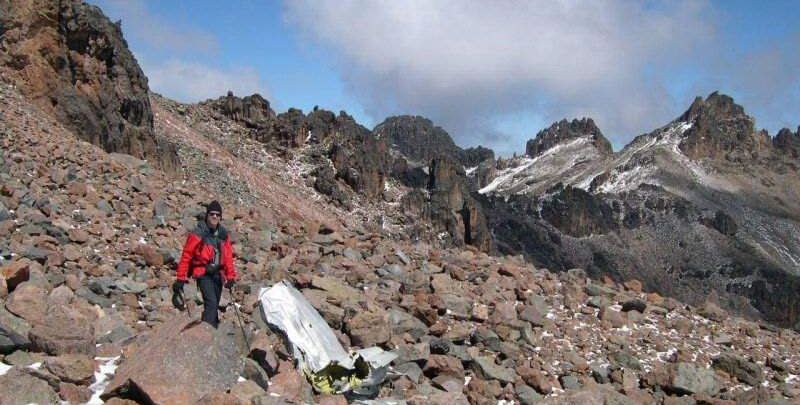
[(93, 298), (745, 371), (598, 301), (486, 368), (403, 257), (527, 395), (11, 340), (125, 267), (19, 387), (595, 290), (127, 285), (352, 254), (687, 379), (411, 370), (37, 254), (402, 322), (252, 371), (569, 382), (101, 285)]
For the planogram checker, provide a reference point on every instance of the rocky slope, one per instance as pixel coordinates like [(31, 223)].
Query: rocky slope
[(393, 252), (704, 205), (90, 239)]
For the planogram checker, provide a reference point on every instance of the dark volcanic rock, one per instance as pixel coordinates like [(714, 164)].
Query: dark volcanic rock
[(452, 208), (578, 213), (475, 156), (74, 62), (361, 159), (564, 130), (720, 128), (253, 111), (417, 138), (788, 142), (745, 371)]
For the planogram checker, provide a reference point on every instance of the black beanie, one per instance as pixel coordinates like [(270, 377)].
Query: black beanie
[(214, 206)]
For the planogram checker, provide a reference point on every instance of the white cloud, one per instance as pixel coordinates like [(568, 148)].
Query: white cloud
[(178, 58), (154, 31), (465, 63), (192, 82)]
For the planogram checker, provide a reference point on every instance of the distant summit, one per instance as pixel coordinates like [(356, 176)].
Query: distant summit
[(565, 130)]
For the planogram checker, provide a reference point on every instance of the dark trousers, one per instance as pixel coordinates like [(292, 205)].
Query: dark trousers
[(211, 288)]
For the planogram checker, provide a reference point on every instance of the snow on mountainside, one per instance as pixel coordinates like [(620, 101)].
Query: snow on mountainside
[(650, 159), (564, 163)]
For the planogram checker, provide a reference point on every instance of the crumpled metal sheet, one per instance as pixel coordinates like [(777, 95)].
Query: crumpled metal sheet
[(312, 340), (316, 347)]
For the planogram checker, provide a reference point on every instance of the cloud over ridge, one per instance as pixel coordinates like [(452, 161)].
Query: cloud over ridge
[(462, 63)]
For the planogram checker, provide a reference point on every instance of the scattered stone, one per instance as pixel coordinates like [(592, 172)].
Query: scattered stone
[(745, 371)]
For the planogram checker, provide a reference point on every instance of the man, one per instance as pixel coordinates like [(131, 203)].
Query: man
[(208, 257)]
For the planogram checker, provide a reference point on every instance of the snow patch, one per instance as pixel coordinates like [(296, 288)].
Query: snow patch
[(102, 378), (509, 174), (4, 368)]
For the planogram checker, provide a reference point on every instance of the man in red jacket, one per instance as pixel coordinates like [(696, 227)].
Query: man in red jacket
[(208, 257)]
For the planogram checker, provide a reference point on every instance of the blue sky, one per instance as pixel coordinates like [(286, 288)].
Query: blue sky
[(490, 73)]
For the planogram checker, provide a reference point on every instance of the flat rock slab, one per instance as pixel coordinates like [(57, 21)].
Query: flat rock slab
[(179, 363), (18, 387)]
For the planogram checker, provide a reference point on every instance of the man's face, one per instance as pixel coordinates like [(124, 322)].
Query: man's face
[(212, 218)]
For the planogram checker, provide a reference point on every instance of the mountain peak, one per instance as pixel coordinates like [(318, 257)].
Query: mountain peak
[(567, 130), (720, 127), (715, 106), (418, 138)]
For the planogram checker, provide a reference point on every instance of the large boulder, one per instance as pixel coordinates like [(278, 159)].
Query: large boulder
[(64, 330), (180, 362), (744, 370), (28, 301), (20, 388), (72, 368), (687, 379)]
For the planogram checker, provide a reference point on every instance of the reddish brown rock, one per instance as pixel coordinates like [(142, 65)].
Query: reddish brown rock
[(149, 254), (439, 364), (78, 235), (28, 301), (167, 370), (290, 385), (71, 368), (64, 330), (218, 398), (74, 394), (16, 273)]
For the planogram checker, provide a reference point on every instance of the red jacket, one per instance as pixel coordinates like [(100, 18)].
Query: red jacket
[(198, 252)]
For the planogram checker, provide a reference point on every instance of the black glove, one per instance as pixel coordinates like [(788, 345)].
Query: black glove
[(178, 302), (177, 286), (229, 284)]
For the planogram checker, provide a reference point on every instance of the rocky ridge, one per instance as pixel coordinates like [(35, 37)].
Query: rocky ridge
[(704, 205)]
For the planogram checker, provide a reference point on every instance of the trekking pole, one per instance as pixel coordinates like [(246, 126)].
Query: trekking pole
[(239, 317), (186, 304)]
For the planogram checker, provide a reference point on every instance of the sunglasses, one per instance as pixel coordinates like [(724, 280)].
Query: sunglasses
[(214, 214)]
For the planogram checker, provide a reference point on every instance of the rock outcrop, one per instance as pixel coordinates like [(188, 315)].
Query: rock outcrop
[(721, 129), (71, 60), (418, 138)]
